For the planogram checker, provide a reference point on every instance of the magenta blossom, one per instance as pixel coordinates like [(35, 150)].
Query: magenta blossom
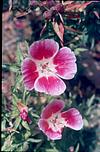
[(53, 121), (42, 69), (23, 109), (24, 116)]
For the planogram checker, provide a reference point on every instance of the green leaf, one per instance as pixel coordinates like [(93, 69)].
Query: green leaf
[(15, 146), (3, 124), (34, 140), (25, 146), (79, 50), (14, 68), (19, 55), (77, 148), (88, 111), (90, 101), (17, 122), (18, 81), (26, 44), (27, 134), (34, 115), (86, 124), (52, 150), (7, 144), (15, 99), (25, 125), (15, 112), (26, 95)]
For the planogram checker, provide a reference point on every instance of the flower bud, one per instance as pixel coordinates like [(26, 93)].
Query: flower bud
[(23, 112), (59, 8), (47, 15)]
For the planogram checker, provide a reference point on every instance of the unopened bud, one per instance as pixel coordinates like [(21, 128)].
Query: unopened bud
[(47, 15), (34, 3), (59, 8)]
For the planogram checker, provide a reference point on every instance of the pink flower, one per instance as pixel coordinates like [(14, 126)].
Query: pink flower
[(23, 112), (46, 65), (53, 121)]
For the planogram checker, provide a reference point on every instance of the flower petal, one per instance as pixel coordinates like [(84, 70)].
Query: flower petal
[(43, 49), (50, 85), (29, 73), (53, 135), (44, 126), (52, 108), (73, 119), (65, 63)]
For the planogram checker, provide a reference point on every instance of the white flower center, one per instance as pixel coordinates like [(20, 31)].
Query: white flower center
[(46, 67), (56, 122)]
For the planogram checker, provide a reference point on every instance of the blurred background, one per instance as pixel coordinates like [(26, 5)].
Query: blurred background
[(75, 24)]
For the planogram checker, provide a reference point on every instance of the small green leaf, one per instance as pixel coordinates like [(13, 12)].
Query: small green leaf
[(3, 124), (25, 146), (27, 134), (17, 122), (34, 140), (14, 68), (15, 99), (77, 148), (25, 125), (15, 112), (79, 50), (52, 150), (26, 44), (7, 144), (86, 124), (90, 101), (19, 55), (34, 115)]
